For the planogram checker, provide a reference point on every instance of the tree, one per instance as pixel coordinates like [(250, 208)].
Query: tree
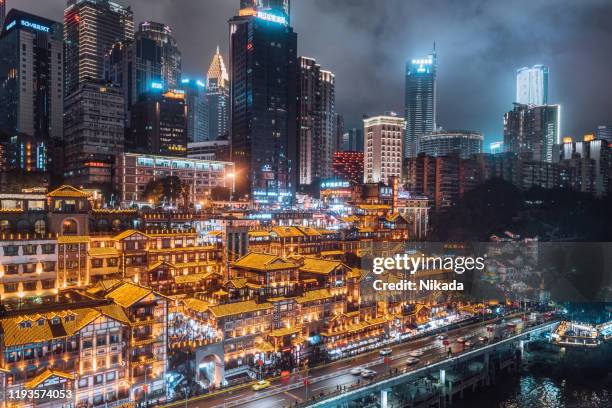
[(219, 193), (167, 190)]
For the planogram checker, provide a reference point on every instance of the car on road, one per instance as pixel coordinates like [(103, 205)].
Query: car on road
[(412, 360), (468, 344), (260, 385), (460, 340), (368, 373), (416, 353), (442, 337), (356, 370), (385, 352), (483, 339)]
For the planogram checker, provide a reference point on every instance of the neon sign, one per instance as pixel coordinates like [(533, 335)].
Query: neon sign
[(157, 85), (11, 25), (271, 17), (29, 24)]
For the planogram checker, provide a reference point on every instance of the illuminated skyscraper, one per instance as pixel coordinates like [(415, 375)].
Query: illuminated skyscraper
[(91, 27), (31, 75), (532, 131), (532, 85), (159, 124), (135, 66), (317, 121), (282, 6), (197, 109), (263, 70), (420, 113), (383, 148), (217, 99), (465, 143), (171, 58)]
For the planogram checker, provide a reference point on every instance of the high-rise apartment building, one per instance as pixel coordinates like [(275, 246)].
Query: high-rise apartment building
[(383, 148), (443, 179), (588, 164), (263, 50), (135, 66), (197, 109), (446, 142), (604, 132), (94, 124), (171, 57), (317, 127), (159, 124), (420, 102), (91, 27), (31, 76), (532, 85), (532, 131), (352, 140), (217, 99)]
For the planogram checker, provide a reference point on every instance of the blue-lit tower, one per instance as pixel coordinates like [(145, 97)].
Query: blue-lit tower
[(420, 102)]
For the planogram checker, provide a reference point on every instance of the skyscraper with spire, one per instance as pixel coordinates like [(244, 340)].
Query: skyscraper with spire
[(217, 98), (421, 98)]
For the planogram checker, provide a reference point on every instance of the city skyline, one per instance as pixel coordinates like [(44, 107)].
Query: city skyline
[(381, 41)]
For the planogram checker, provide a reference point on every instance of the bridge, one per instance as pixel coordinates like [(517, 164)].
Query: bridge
[(437, 368)]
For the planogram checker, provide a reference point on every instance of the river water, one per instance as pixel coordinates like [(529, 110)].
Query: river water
[(530, 390)]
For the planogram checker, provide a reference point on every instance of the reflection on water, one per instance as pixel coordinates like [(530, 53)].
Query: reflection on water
[(534, 391)]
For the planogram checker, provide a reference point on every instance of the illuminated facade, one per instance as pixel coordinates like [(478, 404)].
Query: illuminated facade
[(445, 142), (217, 99), (31, 72), (420, 101), (159, 124), (532, 131), (134, 171), (197, 109), (263, 70), (532, 85), (94, 121), (348, 166), (383, 148), (317, 116), (91, 27), (170, 57)]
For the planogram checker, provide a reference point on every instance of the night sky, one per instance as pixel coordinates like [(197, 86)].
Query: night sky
[(480, 45)]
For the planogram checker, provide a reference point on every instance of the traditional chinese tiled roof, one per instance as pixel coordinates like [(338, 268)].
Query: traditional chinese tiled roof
[(313, 295), (72, 239), (45, 375), (196, 305), (194, 278), (263, 262), (231, 309), (319, 266), (68, 191), (374, 207), (259, 233), (285, 331), (40, 327), (127, 233), (128, 293), (287, 232)]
